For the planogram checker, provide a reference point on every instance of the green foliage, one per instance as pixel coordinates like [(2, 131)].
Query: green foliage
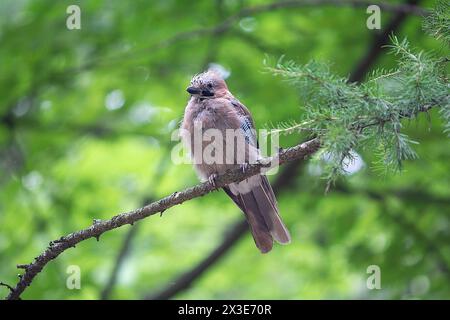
[(347, 116), (66, 158), (437, 23)]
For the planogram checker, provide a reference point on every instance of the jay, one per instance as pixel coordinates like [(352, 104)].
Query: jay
[(215, 113)]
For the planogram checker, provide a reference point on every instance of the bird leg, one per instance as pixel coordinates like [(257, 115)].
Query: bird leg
[(212, 179), (244, 166)]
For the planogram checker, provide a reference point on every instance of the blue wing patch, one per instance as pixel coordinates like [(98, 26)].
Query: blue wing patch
[(246, 123), (248, 130)]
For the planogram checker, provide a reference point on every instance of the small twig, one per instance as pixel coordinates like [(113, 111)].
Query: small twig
[(383, 76), (23, 266), (7, 286)]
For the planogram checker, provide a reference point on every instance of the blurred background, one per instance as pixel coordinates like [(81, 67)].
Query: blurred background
[(85, 123)]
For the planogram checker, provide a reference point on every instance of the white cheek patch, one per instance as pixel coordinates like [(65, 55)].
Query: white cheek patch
[(245, 186)]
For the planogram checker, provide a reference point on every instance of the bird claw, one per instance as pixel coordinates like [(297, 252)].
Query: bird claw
[(244, 166), (212, 180)]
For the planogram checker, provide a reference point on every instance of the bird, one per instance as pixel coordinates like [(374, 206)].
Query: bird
[(213, 108)]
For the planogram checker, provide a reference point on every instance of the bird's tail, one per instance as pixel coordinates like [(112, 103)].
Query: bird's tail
[(261, 210)]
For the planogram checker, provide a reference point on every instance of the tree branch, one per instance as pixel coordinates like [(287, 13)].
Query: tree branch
[(106, 292), (57, 247), (127, 243), (2, 284), (183, 281), (233, 234), (429, 244), (222, 27), (380, 41), (406, 8)]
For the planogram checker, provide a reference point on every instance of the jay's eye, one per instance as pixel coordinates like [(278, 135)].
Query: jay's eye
[(210, 85)]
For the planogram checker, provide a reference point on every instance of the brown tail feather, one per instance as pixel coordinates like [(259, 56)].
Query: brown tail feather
[(258, 226), (261, 210), (269, 209)]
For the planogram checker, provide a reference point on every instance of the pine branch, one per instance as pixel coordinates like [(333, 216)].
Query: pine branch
[(437, 24), (345, 116)]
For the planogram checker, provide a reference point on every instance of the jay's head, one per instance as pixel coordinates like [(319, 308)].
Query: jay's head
[(207, 85)]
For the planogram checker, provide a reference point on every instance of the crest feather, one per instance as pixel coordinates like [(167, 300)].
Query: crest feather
[(205, 76)]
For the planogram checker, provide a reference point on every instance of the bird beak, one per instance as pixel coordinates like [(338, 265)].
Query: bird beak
[(193, 90)]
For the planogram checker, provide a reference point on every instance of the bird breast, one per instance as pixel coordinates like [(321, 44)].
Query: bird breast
[(205, 112)]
